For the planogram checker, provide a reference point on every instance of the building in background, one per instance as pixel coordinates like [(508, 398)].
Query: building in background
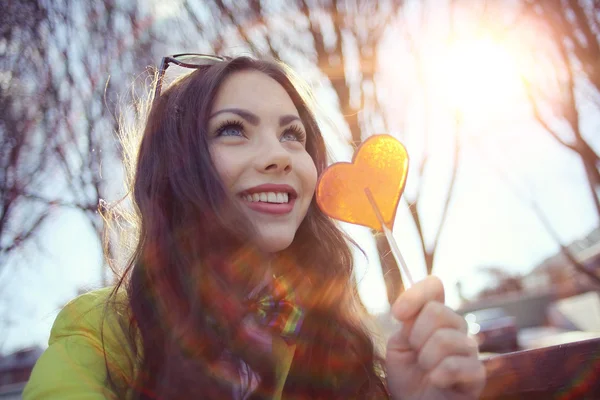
[(15, 370), (556, 272)]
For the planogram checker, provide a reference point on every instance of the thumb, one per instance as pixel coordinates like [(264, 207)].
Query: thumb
[(399, 348)]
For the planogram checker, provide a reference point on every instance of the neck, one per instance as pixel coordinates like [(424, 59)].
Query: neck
[(264, 281)]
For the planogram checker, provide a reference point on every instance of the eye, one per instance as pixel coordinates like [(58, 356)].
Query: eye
[(230, 128), (293, 134)]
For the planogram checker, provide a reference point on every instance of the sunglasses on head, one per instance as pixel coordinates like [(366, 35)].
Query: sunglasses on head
[(186, 60)]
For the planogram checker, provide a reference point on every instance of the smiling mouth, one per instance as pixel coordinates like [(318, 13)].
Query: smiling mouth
[(273, 203), (268, 197)]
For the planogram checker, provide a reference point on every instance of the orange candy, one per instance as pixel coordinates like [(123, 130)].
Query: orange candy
[(380, 164)]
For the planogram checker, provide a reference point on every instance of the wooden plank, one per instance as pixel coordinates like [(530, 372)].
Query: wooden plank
[(566, 372)]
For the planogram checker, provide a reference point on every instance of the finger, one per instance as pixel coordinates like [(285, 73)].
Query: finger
[(398, 341), (465, 374), (443, 343), (399, 351), (434, 316), (410, 302)]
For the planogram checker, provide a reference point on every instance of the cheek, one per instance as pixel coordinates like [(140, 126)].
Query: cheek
[(310, 176), (225, 166)]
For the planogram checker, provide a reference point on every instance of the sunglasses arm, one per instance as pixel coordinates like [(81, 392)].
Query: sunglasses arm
[(164, 64)]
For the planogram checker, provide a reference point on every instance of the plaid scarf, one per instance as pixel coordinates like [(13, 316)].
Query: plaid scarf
[(277, 310)]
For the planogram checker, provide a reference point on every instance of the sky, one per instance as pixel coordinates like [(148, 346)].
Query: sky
[(507, 160)]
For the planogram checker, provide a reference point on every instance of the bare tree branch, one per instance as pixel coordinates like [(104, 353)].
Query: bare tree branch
[(449, 192), (576, 48)]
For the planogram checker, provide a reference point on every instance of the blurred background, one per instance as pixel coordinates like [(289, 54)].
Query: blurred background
[(497, 102)]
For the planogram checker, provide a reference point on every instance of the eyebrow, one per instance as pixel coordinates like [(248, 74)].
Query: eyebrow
[(253, 118)]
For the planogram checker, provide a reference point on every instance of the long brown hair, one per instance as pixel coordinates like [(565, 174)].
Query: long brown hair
[(192, 266)]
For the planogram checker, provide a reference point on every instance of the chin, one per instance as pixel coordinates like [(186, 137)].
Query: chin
[(274, 243)]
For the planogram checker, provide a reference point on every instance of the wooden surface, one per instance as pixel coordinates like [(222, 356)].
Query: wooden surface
[(566, 372)]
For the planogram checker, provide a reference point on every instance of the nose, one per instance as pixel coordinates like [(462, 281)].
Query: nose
[(273, 157)]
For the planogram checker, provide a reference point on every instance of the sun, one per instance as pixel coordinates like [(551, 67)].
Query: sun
[(476, 76)]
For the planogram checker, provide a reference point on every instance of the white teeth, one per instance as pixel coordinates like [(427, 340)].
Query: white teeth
[(267, 197)]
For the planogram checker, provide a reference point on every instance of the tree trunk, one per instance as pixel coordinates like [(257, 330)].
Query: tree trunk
[(593, 178)]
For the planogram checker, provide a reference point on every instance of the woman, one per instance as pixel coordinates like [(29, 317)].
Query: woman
[(240, 287)]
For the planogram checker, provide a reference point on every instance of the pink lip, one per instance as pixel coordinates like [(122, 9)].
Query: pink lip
[(271, 208)]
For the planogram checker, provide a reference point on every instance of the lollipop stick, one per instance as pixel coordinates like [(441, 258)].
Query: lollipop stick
[(390, 238)]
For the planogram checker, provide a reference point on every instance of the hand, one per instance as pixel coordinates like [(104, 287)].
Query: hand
[(431, 357)]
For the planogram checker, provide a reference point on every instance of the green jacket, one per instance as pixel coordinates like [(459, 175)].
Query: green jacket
[(73, 366)]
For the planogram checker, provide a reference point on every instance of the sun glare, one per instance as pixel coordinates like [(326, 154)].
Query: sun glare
[(476, 76)]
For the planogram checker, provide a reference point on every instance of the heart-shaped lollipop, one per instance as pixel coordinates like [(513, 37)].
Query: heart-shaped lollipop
[(380, 164), (367, 190)]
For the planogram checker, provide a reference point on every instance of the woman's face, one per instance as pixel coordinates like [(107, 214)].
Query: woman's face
[(258, 145)]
